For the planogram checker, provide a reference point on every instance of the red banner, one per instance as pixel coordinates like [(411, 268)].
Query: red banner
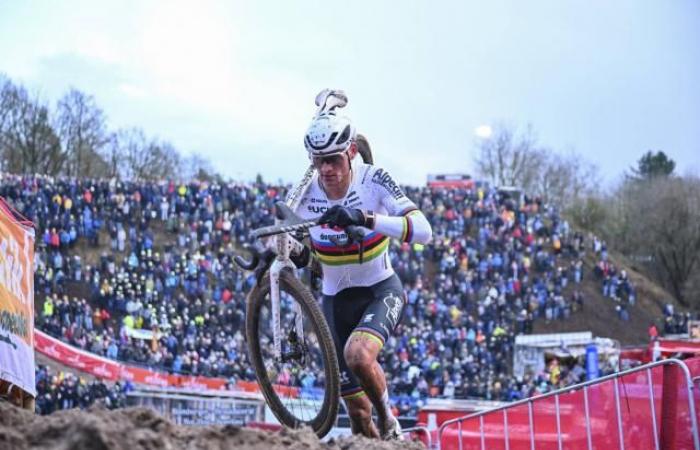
[(111, 370)]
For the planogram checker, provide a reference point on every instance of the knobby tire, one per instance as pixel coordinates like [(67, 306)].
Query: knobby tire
[(325, 419)]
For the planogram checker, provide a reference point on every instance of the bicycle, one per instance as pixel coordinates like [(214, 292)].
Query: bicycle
[(275, 275)]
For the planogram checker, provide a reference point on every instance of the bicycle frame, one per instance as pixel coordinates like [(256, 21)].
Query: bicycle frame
[(284, 246)]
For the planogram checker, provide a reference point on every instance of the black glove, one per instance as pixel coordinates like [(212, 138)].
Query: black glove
[(340, 216)]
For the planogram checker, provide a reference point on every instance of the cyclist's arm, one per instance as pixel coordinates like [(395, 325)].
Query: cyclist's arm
[(403, 221), (410, 227)]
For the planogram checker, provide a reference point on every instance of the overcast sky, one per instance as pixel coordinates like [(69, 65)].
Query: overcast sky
[(235, 81)]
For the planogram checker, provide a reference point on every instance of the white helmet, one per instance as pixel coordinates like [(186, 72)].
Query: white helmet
[(329, 134)]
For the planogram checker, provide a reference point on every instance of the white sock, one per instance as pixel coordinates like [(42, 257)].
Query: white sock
[(387, 405)]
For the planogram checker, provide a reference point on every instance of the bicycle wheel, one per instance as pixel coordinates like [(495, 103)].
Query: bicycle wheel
[(303, 386)]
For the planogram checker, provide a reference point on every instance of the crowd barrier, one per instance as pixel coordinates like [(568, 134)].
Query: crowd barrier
[(188, 407), (648, 407)]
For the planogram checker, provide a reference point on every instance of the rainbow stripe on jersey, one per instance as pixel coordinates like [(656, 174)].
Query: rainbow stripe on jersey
[(329, 253), (407, 233)]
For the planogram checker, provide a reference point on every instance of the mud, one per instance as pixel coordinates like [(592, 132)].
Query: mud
[(139, 428)]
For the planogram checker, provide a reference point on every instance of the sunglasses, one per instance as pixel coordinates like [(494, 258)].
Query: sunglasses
[(334, 160)]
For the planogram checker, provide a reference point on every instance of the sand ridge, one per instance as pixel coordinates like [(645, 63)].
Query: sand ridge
[(98, 428)]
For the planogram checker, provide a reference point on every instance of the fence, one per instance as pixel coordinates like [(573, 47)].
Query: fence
[(201, 407), (651, 406)]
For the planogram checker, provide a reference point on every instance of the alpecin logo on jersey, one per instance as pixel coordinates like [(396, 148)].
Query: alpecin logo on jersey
[(383, 178)]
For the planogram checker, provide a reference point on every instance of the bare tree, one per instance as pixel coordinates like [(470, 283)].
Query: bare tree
[(132, 148), (660, 218), (6, 91), (565, 179), (589, 212), (113, 155), (9, 105), (74, 140), (552, 180), (29, 143), (198, 166), (82, 130), (674, 228), (507, 159), (169, 164), (142, 159)]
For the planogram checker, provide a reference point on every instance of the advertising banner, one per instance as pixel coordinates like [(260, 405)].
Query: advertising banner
[(16, 300), (109, 369)]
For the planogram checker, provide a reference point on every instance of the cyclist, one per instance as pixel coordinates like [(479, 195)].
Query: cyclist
[(363, 300)]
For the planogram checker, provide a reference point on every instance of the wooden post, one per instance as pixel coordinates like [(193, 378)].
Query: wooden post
[(17, 396), (29, 402)]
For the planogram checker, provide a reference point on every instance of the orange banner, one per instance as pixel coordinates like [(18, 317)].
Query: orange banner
[(16, 299)]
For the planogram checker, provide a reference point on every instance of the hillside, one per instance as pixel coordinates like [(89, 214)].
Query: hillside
[(599, 316)]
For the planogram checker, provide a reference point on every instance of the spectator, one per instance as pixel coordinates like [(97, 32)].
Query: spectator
[(499, 267)]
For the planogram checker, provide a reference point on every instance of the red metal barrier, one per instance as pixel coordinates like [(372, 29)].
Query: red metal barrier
[(643, 408), (694, 368)]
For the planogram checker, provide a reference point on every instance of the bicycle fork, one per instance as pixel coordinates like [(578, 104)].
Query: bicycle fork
[(285, 246)]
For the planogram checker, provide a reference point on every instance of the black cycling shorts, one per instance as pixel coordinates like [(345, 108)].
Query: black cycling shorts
[(375, 310)]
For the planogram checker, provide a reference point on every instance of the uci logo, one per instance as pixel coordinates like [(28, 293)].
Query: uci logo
[(318, 209)]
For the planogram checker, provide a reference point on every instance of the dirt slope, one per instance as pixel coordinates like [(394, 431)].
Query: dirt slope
[(143, 429), (599, 314)]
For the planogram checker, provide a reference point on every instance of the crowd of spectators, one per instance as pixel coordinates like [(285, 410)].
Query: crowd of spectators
[(499, 265), (678, 323), (186, 290), (65, 390), (616, 285), (143, 273)]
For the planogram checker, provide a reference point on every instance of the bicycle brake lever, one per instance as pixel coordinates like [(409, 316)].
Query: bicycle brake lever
[(264, 264), (248, 265)]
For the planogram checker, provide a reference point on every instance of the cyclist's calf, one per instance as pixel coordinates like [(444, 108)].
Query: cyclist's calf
[(360, 413)]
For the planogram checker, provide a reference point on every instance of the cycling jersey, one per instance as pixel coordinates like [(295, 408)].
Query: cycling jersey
[(371, 188)]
